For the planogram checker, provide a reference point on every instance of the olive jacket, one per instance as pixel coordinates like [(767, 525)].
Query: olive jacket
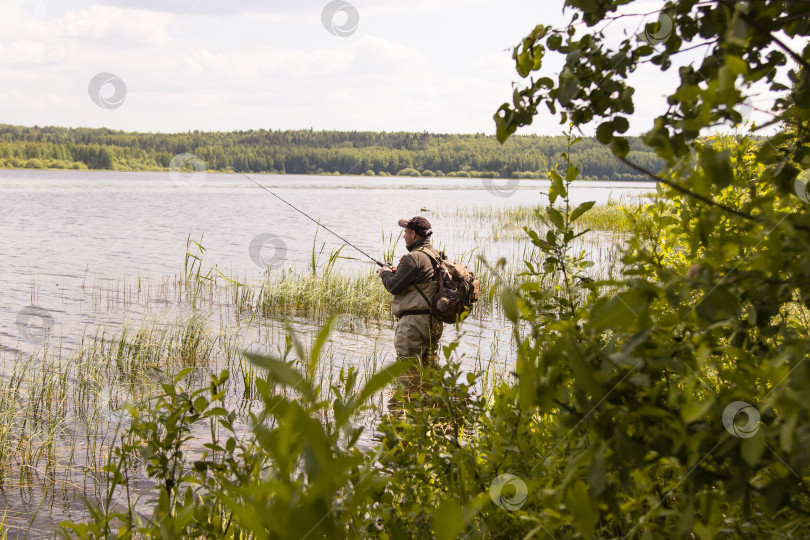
[(415, 269)]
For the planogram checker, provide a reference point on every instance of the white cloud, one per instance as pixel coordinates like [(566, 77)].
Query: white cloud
[(438, 65), (270, 69), (214, 7), (115, 28), (381, 57), (28, 53)]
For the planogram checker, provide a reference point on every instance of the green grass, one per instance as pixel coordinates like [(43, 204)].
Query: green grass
[(322, 294), (611, 218), (507, 223)]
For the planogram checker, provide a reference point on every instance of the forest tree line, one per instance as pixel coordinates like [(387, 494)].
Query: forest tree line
[(315, 152)]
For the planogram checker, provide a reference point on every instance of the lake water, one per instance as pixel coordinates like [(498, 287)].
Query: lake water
[(62, 229)]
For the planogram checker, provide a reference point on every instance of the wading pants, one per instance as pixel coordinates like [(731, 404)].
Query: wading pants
[(417, 338)]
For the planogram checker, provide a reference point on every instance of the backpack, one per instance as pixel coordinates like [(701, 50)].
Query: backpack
[(458, 289)]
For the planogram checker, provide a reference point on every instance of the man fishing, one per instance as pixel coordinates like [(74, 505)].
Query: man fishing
[(412, 284)]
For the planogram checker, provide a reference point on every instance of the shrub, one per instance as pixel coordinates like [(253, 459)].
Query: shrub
[(527, 174), (408, 172)]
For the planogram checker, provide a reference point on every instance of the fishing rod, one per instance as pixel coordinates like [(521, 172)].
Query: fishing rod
[(314, 221)]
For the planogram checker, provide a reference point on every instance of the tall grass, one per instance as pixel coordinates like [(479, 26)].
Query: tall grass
[(323, 294), (506, 223)]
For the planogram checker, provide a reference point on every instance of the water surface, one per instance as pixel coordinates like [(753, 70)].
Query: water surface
[(64, 230)]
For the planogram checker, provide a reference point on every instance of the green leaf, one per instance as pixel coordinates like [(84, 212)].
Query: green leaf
[(719, 168), (604, 133), (735, 487), (621, 124), (524, 64), (752, 448), (718, 304), (557, 188), (375, 383), (509, 304), (447, 520), (623, 311), (282, 373), (556, 217), (584, 375), (183, 372), (694, 409), (597, 477), (581, 209), (382, 378), (775, 494), (736, 65), (582, 508), (788, 431), (315, 353), (620, 146), (200, 404), (569, 88)]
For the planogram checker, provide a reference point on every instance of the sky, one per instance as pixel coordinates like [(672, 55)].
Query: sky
[(442, 66)]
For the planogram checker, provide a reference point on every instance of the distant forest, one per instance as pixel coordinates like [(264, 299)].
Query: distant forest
[(315, 152)]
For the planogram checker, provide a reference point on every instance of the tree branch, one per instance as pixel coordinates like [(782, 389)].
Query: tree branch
[(568, 408), (697, 196), (685, 191), (744, 16)]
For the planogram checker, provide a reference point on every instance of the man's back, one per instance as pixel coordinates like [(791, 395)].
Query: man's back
[(414, 267)]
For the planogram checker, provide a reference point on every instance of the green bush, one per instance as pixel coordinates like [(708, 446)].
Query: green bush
[(409, 171), (485, 174), (528, 174), (35, 163)]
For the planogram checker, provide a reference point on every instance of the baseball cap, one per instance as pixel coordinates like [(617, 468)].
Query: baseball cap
[(418, 224)]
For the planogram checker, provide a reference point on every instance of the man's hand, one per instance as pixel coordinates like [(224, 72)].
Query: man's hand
[(392, 269)]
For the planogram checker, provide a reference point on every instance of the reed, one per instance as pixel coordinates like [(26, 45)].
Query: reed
[(507, 223), (323, 294)]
